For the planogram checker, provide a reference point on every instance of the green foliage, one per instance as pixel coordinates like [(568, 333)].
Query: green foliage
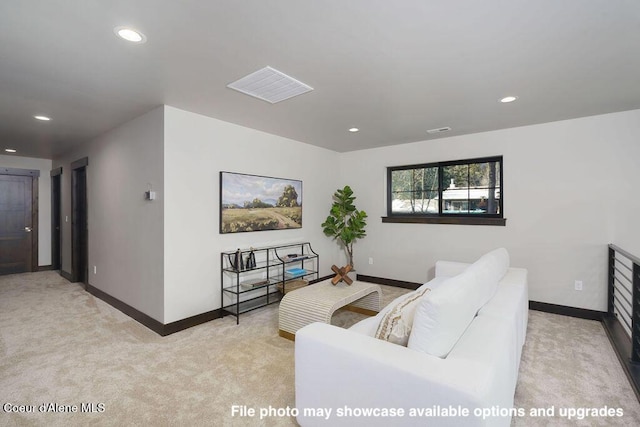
[(252, 225), (257, 204), (296, 216), (289, 197), (470, 175), (345, 222), (234, 220), (419, 186)]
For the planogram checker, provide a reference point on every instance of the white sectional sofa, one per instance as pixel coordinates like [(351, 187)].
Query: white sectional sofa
[(459, 368)]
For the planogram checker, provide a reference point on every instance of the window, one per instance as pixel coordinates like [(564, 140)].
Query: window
[(456, 192)]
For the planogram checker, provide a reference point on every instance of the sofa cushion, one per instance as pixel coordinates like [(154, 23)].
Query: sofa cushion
[(442, 316), (489, 270), (395, 325), (369, 326), (433, 283)]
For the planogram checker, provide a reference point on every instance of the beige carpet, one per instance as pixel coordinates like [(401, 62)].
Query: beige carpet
[(567, 364), (61, 346)]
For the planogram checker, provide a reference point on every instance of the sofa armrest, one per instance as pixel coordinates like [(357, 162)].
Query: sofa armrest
[(339, 369), (450, 268)]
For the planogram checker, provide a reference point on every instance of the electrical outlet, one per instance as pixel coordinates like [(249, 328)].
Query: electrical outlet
[(95, 270), (578, 285), (370, 260)]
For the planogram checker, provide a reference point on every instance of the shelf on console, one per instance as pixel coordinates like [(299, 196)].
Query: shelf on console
[(254, 303)]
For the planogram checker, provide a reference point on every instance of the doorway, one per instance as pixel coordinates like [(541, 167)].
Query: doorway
[(56, 204), (18, 220), (79, 229)]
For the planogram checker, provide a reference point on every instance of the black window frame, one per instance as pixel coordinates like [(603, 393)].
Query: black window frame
[(441, 217)]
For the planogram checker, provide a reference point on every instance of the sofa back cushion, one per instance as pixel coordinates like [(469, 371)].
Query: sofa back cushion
[(489, 269), (443, 315)]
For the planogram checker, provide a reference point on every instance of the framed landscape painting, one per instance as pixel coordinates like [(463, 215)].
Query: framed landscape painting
[(257, 203)]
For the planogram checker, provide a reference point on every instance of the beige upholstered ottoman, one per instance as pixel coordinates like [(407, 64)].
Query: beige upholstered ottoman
[(317, 303)]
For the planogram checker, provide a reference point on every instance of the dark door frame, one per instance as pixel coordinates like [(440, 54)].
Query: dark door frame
[(35, 176), (56, 222), (79, 225)]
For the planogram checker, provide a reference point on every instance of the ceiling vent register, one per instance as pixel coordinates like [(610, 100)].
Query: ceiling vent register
[(270, 85), (438, 130)]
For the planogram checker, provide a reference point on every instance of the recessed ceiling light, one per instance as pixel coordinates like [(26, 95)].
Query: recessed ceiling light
[(354, 130), (508, 99), (129, 34), (43, 118), (10, 150)]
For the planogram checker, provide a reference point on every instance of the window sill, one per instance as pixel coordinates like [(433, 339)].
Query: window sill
[(444, 220)]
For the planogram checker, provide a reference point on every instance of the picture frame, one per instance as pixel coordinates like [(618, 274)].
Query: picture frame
[(258, 203)]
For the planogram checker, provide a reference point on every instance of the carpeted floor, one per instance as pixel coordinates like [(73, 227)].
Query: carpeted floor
[(62, 348), (569, 365)]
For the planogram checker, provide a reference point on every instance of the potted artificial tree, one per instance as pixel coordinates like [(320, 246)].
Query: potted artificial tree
[(345, 222)]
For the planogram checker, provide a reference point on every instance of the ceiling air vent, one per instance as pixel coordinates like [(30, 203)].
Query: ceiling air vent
[(270, 85), (443, 129)]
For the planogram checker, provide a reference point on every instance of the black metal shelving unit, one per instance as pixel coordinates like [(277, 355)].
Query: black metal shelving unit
[(247, 289)]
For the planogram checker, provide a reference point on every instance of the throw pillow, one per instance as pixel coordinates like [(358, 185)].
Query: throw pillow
[(395, 326)]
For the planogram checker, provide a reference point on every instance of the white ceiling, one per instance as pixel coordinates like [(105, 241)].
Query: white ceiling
[(394, 69)]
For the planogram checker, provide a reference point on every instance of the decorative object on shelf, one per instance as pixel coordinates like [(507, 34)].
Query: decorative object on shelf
[(341, 275), (254, 283), (292, 285), (296, 272), (251, 260), (294, 257), (237, 261), (256, 203), (345, 222)]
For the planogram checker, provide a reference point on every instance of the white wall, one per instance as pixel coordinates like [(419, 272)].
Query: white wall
[(125, 230), (44, 200), (568, 191), (197, 148), (624, 141)]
